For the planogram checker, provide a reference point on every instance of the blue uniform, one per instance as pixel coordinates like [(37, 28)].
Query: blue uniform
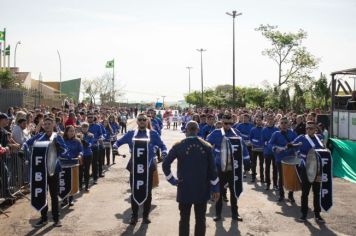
[(155, 140), (280, 140), (107, 135), (306, 146), (206, 130), (215, 139), (88, 140), (62, 150), (244, 129), (115, 127), (196, 172), (96, 130), (266, 136), (256, 137), (75, 148), (157, 125)]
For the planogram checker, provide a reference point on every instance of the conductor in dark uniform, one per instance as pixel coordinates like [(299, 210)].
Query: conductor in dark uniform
[(197, 178)]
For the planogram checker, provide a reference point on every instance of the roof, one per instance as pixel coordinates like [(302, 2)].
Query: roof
[(345, 72)]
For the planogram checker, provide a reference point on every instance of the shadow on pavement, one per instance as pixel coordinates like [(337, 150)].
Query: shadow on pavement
[(221, 231)]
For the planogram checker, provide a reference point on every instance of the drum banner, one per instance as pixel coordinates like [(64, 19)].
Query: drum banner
[(65, 182), (237, 164), (139, 185), (39, 176), (326, 197)]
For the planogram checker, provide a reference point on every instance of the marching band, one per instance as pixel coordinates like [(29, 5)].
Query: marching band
[(216, 151)]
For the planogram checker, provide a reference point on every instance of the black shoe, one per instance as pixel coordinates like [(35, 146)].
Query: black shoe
[(319, 219), (267, 187), (57, 223), (275, 187), (41, 223), (225, 198), (291, 198), (281, 199), (133, 220), (86, 190), (64, 203), (237, 217), (146, 220), (95, 182), (101, 176), (303, 218), (217, 218), (114, 163), (71, 204), (262, 180), (245, 174)]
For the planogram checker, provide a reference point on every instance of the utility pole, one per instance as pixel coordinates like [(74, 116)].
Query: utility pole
[(189, 68), (163, 101), (233, 14), (201, 74), (60, 74)]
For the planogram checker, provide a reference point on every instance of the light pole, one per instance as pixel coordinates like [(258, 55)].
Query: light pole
[(233, 14), (163, 101), (201, 73), (189, 68), (60, 74), (18, 42)]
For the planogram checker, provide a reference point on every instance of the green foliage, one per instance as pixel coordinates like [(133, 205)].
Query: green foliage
[(292, 59), (7, 80)]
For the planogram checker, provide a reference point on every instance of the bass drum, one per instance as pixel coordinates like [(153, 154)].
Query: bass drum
[(291, 181), (226, 155), (312, 166), (51, 158), (73, 165)]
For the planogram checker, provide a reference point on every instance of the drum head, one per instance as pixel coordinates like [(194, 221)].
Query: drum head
[(311, 165), (51, 158), (291, 160)]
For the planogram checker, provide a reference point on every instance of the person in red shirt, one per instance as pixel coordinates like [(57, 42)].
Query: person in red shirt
[(71, 120)]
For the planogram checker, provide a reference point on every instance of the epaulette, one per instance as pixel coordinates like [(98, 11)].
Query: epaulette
[(205, 142)]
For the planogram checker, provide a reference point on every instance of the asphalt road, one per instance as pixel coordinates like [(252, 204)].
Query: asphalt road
[(106, 210)]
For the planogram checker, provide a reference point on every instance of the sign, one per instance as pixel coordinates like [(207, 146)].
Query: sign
[(139, 185)]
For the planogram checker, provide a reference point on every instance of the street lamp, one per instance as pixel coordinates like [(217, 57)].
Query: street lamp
[(60, 74), (189, 68), (18, 42), (163, 101), (201, 73), (233, 14)]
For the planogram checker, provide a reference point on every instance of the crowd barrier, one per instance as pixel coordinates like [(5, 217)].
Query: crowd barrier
[(14, 175)]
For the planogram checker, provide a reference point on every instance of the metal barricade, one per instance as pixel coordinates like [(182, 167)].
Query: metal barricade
[(14, 171)]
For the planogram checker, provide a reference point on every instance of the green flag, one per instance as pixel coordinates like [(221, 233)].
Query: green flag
[(2, 35), (7, 51), (110, 64)]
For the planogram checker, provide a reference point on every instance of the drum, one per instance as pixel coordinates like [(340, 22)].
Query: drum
[(73, 167), (225, 155), (291, 181), (51, 158), (313, 166), (107, 144), (257, 149), (248, 143)]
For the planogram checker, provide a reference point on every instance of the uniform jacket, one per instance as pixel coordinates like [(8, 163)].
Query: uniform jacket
[(280, 140), (256, 136), (266, 136), (196, 172)]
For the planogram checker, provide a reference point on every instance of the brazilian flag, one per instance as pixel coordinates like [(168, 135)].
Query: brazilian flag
[(110, 64)]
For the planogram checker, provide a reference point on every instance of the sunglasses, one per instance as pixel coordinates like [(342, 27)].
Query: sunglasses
[(142, 119), (284, 123), (90, 117)]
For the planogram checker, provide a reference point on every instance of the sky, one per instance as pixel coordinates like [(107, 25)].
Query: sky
[(154, 41)]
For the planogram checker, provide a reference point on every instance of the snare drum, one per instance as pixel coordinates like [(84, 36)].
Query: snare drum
[(107, 144), (73, 166), (257, 149), (291, 181)]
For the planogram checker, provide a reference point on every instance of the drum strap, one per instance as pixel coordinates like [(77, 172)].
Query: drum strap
[(311, 141)]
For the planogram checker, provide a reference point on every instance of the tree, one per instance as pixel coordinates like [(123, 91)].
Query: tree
[(322, 91), (292, 58), (7, 80), (101, 87)]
